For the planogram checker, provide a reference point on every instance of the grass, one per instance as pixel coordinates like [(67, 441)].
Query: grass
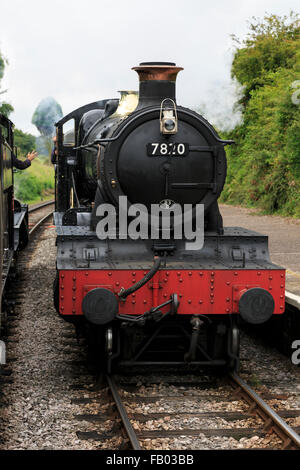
[(36, 183)]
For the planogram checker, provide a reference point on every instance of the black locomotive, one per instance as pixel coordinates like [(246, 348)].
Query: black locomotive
[(152, 299)]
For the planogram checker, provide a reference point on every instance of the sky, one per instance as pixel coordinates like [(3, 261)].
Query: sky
[(80, 51)]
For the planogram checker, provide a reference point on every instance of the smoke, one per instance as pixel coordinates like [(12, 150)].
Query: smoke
[(221, 106), (47, 113), (42, 145)]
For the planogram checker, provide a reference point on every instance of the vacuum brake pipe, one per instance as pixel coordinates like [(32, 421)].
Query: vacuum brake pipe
[(125, 292)]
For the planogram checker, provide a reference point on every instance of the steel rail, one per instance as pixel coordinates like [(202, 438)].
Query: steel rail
[(39, 223), (273, 420), (40, 206), (123, 414)]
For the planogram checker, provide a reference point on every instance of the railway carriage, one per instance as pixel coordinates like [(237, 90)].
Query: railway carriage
[(153, 299), (13, 214)]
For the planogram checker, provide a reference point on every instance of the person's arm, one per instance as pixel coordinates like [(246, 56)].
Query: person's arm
[(23, 164)]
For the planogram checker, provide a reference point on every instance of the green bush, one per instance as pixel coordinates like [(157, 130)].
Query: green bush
[(36, 183)]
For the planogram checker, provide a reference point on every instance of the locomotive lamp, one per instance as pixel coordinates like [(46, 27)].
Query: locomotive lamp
[(168, 118)]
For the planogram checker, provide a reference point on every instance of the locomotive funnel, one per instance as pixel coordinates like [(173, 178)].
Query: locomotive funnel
[(157, 82)]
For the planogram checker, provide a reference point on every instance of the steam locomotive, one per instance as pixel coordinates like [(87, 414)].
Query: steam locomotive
[(154, 299), (13, 216)]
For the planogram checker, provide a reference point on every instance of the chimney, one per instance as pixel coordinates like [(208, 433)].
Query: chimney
[(157, 81)]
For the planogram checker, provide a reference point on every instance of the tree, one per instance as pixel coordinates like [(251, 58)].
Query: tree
[(264, 165), (271, 44), (24, 141), (47, 113), (5, 108)]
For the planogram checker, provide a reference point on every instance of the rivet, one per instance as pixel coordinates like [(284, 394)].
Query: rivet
[(212, 294), (62, 308), (133, 302), (228, 283), (109, 274), (167, 273), (212, 274), (133, 274), (281, 296), (117, 283), (211, 301), (74, 298), (281, 286), (270, 277), (281, 307), (227, 299), (62, 287), (190, 273), (63, 276), (259, 273), (189, 301), (165, 279), (74, 288), (180, 295), (74, 278), (281, 275), (179, 273), (200, 274), (180, 280), (73, 311), (270, 287), (62, 297), (133, 295), (212, 287), (144, 301), (133, 281), (86, 274), (200, 301), (235, 273), (165, 295), (212, 281), (227, 310)]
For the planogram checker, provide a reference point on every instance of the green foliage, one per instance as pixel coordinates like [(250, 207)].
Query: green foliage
[(5, 108), (36, 183), (47, 113), (271, 44), (264, 165), (24, 141)]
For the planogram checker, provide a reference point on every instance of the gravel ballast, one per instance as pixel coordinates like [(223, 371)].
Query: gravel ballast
[(51, 384)]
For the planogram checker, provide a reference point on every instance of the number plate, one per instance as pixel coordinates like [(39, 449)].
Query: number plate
[(172, 149)]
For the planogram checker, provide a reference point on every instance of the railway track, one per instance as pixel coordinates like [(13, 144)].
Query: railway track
[(36, 219), (37, 207), (241, 405)]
